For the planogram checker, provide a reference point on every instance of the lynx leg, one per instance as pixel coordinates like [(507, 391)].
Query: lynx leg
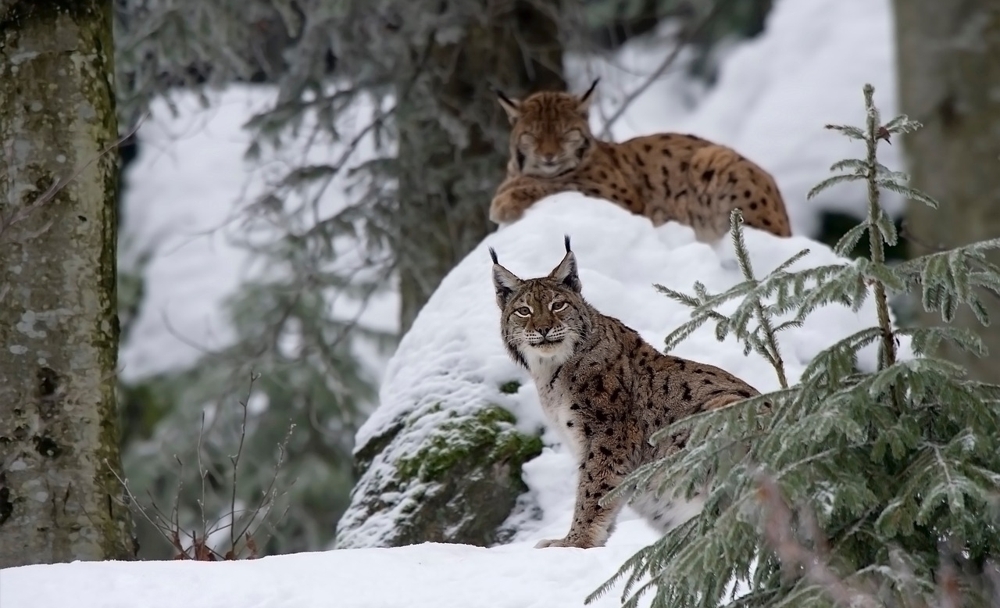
[(516, 194), (592, 522)]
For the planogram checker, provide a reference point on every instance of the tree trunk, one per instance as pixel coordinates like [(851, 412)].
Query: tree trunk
[(445, 188), (949, 79), (59, 498)]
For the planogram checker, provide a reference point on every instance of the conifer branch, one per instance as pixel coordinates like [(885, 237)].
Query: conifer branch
[(875, 467), (875, 131), (770, 348), (779, 534)]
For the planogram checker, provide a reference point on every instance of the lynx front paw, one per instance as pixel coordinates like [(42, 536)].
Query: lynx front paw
[(561, 542), (505, 208), (551, 542)]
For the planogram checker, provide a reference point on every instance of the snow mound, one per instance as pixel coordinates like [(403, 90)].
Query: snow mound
[(419, 576), (452, 362)]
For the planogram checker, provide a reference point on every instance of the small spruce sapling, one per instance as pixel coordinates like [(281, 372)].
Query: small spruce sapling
[(882, 469)]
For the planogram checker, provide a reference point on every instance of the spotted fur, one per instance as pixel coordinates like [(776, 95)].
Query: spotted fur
[(605, 391), (665, 177)]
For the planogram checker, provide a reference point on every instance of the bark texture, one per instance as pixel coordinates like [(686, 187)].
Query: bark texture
[(59, 498), (949, 79), (445, 189)]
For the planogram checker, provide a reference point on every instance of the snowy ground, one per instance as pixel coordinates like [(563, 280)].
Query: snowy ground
[(454, 356), (774, 95), (421, 576)]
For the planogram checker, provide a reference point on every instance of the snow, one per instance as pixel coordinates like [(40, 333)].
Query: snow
[(420, 576), (774, 95), (452, 361), (191, 182), (453, 355)]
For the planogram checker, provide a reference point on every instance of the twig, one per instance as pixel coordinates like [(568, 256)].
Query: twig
[(202, 472), (282, 447), (175, 513), (236, 462), (662, 68), (134, 501), (779, 534)]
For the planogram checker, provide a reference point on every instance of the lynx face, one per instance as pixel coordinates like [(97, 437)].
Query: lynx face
[(543, 319), (550, 132)]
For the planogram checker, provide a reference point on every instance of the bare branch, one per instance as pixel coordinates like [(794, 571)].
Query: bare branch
[(236, 462), (661, 69), (779, 534)]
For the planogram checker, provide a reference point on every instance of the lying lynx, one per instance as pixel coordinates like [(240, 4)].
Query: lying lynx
[(668, 176), (605, 391)]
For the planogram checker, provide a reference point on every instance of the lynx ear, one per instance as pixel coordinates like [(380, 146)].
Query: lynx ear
[(505, 282), (511, 106), (566, 271), (583, 102)]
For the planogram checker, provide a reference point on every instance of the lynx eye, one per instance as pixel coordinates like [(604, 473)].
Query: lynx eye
[(526, 140), (559, 306), (524, 311), (574, 136)]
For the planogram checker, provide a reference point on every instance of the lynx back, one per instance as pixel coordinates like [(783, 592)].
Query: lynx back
[(665, 177)]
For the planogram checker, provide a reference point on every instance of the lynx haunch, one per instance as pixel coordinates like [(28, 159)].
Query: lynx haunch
[(664, 177), (605, 391)]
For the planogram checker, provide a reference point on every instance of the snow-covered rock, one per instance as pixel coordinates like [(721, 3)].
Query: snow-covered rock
[(451, 371)]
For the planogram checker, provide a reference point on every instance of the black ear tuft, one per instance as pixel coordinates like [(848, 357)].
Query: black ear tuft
[(566, 272), (566, 241), (503, 97), (511, 107), (583, 101), (493, 254)]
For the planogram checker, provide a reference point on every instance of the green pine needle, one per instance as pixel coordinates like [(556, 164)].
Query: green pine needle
[(886, 463)]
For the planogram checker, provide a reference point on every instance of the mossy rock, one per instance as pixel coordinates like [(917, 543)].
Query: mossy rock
[(489, 436), (458, 486)]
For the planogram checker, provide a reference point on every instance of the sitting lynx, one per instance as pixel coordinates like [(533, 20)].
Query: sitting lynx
[(605, 391), (668, 176)]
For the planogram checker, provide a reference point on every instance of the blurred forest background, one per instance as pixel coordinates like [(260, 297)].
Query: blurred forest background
[(438, 149), (403, 91)]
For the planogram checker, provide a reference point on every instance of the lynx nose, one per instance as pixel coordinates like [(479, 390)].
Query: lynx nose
[(549, 158), (543, 331)]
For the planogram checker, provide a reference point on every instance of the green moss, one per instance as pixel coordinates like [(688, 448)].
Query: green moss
[(488, 436), (511, 387)]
